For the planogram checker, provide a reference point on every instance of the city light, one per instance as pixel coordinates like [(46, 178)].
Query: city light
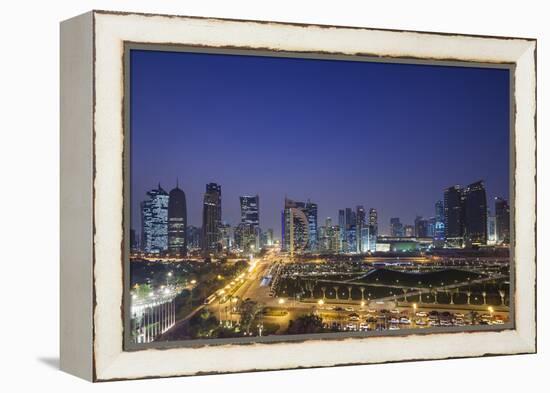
[(281, 301)]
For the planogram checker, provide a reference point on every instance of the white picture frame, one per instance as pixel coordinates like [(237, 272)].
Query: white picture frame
[(93, 189)]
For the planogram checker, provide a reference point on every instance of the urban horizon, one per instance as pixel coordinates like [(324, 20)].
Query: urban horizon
[(349, 196), (409, 228)]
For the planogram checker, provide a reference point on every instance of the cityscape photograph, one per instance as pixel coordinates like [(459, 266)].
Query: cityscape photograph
[(282, 196)]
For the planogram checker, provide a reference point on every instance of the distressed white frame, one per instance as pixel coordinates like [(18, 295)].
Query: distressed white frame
[(111, 30)]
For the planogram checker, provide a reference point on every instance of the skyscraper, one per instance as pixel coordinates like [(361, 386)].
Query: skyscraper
[(420, 227), (193, 236), (212, 218), (454, 226), (475, 214), (362, 228), (373, 220), (491, 229), (502, 216), (408, 230), (177, 222), (342, 228), (250, 216), (250, 210), (154, 221), (396, 228), (295, 227), (311, 213), (134, 244), (373, 229), (439, 229)]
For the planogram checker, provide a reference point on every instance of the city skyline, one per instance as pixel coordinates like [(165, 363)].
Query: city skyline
[(358, 150), (491, 205)]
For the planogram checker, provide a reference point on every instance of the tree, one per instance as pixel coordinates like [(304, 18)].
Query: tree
[(202, 324), (248, 309), (306, 324)]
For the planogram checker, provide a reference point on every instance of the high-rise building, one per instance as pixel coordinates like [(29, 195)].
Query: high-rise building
[(502, 216), (226, 236), (295, 227), (396, 227), (212, 218), (439, 229), (177, 222), (373, 220), (454, 227), (362, 230), (420, 227), (154, 221), (408, 230), (491, 229), (267, 238), (134, 244), (311, 213), (194, 235), (246, 238), (250, 210), (342, 226), (430, 232), (250, 215), (475, 214)]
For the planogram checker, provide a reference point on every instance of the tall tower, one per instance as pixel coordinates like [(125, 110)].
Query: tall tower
[(212, 218), (295, 227), (249, 228), (454, 223), (177, 222), (362, 230), (502, 218), (475, 214), (439, 228), (250, 210), (154, 221), (396, 227), (311, 213)]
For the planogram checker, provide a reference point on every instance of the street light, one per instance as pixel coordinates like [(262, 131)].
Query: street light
[(281, 301), (321, 302)]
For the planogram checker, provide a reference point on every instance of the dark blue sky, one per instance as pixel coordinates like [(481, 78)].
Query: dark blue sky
[(342, 133)]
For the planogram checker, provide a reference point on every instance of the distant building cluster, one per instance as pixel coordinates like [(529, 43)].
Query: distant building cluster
[(461, 219), (164, 228)]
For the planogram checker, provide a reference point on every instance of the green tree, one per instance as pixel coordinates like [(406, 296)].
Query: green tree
[(306, 324)]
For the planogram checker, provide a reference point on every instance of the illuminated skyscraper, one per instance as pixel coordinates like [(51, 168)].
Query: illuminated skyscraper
[(362, 229), (454, 226), (295, 227), (420, 227), (396, 227), (154, 221), (439, 229), (491, 229), (475, 214), (177, 222), (502, 216), (342, 227), (212, 218), (373, 221), (373, 229), (408, 230), (311, 213), (193, 236), (250, 210)]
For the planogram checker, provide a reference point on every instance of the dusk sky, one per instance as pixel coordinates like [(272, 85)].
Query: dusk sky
[(341, 133)]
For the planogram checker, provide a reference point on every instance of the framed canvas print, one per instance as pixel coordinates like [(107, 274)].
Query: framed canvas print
[(245, 195)]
